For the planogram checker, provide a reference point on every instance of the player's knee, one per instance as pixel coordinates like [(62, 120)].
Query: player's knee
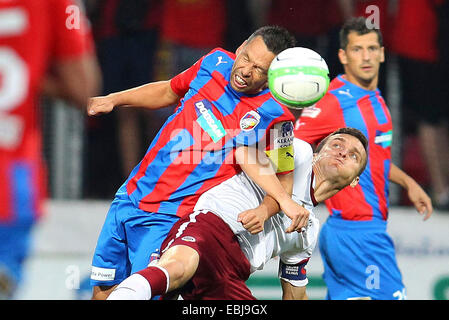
[(181, 263)]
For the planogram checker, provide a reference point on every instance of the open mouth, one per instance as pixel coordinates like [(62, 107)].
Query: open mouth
[(239, 82)]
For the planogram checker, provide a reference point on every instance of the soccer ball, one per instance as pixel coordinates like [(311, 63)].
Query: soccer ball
[(298, 77)]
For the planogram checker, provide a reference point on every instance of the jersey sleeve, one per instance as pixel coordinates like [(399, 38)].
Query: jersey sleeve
[(71, 30), (316, 122), (280, 147), (180, 84)]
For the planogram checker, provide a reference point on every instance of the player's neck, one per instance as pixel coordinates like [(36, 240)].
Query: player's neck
[(369, 85), (323, 188)]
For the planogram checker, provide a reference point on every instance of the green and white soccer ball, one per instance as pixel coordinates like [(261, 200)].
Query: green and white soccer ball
[(298, 77)]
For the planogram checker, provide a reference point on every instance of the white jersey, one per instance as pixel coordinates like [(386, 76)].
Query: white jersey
[(239, 193)]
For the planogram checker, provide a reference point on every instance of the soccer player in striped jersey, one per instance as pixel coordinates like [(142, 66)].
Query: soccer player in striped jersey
[(354, 241), (209, 254), (224, 105)]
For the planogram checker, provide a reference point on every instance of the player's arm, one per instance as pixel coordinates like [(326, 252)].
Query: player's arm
[(258, 167), (290, 292), (153, 95), (253, 220), (74, 80), (416, 194)]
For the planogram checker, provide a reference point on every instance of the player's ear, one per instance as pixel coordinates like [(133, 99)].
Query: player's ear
[(342, 56), (382, 54), (354, 182)]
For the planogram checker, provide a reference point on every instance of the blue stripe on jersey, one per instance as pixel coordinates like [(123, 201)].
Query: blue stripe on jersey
[(163, 159), (270, 107), (387, 165), (154, 141), (23, 192), (205, 170), (223, 104), (378, 110)]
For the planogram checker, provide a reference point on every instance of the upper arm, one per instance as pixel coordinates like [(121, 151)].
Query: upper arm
[(73, 68)]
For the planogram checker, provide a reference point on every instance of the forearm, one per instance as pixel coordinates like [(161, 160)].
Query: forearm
[(153, 95), (400, 177), (290, 292), (259, 169)]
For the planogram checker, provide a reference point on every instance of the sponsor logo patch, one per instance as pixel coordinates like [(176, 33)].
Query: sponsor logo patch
[(384, 138), (102, 274), (208, 121)]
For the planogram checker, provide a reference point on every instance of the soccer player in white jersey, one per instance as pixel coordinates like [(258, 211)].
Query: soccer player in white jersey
[(210, 254)]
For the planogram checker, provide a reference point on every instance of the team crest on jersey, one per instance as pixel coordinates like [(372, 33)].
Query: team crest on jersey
[(384, 138), (249, 121)]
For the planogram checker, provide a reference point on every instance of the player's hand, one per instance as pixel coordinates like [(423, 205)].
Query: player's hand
[(420, 200), (298, 214), (253, 219), (99, 105)]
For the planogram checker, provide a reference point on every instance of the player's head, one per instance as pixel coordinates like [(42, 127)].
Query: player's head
[(342, 156), (361, 52), (249, 73)]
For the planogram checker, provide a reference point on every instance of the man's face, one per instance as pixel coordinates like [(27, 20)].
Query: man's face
[(341, 159), (249, 72), (362, 58)]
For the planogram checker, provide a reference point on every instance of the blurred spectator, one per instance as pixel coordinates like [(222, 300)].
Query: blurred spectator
[(314, 23), (126, 33), (190, 29), (423, 101), (45, 48), (377, 11)]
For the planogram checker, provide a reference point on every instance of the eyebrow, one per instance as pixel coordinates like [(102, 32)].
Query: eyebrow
[(354, 149), (255, 63)]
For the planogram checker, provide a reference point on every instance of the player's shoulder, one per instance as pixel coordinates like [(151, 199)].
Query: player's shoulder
[(270, 108), (219, 57)]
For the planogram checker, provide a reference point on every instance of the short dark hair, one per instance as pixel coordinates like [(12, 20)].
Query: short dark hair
[(276, 38), (358, 25), (353, 132)]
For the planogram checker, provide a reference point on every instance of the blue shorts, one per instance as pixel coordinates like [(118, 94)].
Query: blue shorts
[(15, 245), (359, 261), (127, 240)]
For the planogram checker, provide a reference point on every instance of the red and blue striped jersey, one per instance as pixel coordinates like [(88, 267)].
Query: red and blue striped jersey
[(194, 149), (348, 105)]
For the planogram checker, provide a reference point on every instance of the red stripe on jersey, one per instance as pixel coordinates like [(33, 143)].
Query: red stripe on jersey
[(5, 194), (163, 190), (223, 174), (148, 158), (377, 155)]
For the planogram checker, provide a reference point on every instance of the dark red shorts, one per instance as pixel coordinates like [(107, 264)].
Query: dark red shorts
[(223, 267)]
